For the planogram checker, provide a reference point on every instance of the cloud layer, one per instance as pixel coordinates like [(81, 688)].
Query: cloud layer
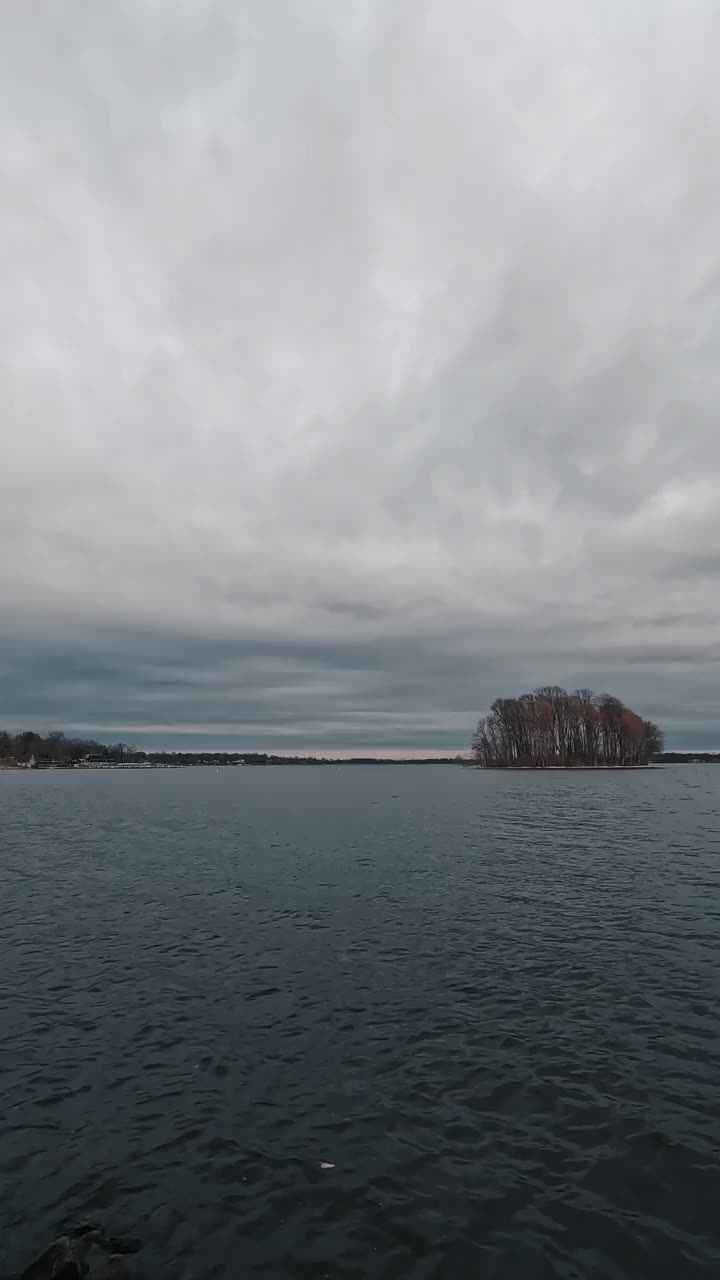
[(358, 363)]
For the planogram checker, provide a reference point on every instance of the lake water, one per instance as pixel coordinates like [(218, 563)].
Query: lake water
[(490, 1001)]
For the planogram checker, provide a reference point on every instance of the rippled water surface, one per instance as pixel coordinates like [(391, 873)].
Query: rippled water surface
[(490, 1001)]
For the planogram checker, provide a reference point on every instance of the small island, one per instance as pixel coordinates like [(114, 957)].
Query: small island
[(554, 729)]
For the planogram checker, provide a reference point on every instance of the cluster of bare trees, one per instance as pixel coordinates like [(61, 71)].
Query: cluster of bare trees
[(554, 727), (56, 748)]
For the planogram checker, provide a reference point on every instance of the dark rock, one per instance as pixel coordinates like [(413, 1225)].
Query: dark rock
[(58, 1262), (84, 1254)]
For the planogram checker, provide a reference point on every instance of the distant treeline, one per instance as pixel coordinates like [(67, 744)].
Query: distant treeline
[(56, 748), (687, 757), (554, 728)]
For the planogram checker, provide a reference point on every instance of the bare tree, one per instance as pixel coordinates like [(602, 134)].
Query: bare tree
[(553, 727)]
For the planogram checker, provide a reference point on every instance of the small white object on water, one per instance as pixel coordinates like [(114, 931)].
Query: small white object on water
[(325, 1165)]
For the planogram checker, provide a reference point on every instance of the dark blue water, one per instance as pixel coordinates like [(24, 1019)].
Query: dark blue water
[(491, 1001)]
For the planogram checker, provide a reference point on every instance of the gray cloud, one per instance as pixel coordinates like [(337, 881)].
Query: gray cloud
[(357, 364)]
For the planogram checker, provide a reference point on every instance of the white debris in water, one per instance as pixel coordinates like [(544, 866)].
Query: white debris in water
[(325, 1165)]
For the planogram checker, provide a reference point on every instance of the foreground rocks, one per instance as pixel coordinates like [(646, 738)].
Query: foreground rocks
[(86, 1253)]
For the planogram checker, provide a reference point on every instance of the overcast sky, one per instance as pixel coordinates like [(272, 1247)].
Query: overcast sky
[(359, 362)]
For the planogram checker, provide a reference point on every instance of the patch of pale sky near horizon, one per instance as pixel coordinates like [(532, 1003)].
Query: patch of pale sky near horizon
[(339, 343)]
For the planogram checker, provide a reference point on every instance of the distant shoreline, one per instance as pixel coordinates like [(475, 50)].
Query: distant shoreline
[(277, 762), (565, 768), (310, 762)]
